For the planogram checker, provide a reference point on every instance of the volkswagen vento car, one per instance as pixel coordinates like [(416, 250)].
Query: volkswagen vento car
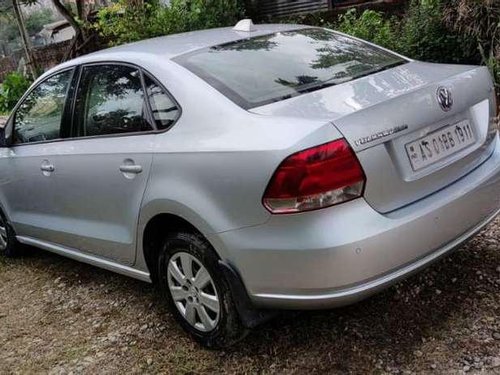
[(251, 169)]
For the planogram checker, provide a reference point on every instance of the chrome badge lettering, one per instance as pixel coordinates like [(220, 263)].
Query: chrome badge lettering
[(382, 134)]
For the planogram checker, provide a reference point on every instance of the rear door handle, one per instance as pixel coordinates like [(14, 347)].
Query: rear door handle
[(131, 168), (47, 168)]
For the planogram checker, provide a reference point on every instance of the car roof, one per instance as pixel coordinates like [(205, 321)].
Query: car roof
[(174, 45), (178, 44)]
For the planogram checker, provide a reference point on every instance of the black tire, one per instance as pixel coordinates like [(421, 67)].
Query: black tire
[(229, 328), (13, 248)]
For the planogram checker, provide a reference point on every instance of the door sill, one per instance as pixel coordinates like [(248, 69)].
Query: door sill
[(86, 258)]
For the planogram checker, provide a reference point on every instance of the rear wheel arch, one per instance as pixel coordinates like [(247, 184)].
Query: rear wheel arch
[(158, 229), (155, 232)]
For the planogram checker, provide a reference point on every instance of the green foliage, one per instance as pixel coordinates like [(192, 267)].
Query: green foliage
[(13, 87), (493, 64), (10, 37), (36, 20), (421, 34), (424, 36), (369, 25), (9, 33), (480, 21), (122, 23)]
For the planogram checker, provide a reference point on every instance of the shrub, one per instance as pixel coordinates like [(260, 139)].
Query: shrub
[(480, 21), (371, 26), (493, 64), (12, 88), (421, 34), (122, 23), (424, 36)]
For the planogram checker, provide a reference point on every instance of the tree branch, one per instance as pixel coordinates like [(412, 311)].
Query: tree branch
[(80, 8), (68, 16)]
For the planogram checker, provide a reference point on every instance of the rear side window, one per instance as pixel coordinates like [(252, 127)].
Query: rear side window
[(39, 116), (110, 100), (164, 109), (265, 69)]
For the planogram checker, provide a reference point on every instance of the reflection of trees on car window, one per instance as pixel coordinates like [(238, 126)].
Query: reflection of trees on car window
[(348, 51), (39, 116), (300, 81), (263, 43), (274, 67), (111, 101), (165, 111)]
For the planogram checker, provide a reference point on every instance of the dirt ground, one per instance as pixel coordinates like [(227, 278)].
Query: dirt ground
[(58, 316)]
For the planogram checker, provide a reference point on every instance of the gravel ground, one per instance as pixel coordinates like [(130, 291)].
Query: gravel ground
[(58, 316)]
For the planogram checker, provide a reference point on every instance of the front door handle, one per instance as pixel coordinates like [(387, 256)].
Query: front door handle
[(134, 168), (47, 168)]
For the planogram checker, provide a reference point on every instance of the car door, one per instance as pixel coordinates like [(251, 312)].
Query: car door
[(36, 131), (104, 168)]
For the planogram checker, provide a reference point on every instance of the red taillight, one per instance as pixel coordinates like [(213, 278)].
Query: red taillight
[(315, 178)]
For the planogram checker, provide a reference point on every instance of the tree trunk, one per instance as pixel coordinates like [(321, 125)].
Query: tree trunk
[(80, 9), (68, 16), (25, 39)]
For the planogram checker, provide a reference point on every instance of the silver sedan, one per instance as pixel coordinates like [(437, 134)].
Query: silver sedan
[(250, 169)]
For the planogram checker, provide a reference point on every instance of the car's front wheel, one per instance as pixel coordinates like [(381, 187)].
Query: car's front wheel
[(197, 292), (9, 246)]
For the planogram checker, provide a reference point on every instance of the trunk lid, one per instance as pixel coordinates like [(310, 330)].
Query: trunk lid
[(389, 118)]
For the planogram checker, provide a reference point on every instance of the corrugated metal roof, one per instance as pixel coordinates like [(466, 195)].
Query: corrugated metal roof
[(288, 7)]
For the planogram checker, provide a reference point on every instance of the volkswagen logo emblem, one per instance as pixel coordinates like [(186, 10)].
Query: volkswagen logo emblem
[(444, 98)]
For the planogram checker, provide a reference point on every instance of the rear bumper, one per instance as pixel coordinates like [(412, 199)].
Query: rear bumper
[(337, 256)]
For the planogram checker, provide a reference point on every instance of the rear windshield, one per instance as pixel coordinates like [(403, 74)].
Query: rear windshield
[(269, 68)]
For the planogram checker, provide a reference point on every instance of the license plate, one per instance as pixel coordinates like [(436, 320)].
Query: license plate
[(440, 144)]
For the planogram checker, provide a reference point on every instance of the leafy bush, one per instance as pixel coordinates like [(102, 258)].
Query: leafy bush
[(371, 26), (493, 64), (122, 22), (37, 19), (421, 34), (12, 88), (424, 36), (480, 21)]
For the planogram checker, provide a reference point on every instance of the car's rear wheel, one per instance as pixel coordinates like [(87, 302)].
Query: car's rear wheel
[(196, 291), (9, 246)]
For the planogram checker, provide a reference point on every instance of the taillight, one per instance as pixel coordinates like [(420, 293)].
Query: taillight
[(315, 178)]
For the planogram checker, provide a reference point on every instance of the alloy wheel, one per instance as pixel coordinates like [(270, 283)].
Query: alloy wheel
[(193, 291)]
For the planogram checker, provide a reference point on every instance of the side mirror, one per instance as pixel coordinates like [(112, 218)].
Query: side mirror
[(5, 133), (3, 140)]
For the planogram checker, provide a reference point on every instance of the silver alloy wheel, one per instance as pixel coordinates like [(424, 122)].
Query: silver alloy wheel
[(3, 234), (193, 291)]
